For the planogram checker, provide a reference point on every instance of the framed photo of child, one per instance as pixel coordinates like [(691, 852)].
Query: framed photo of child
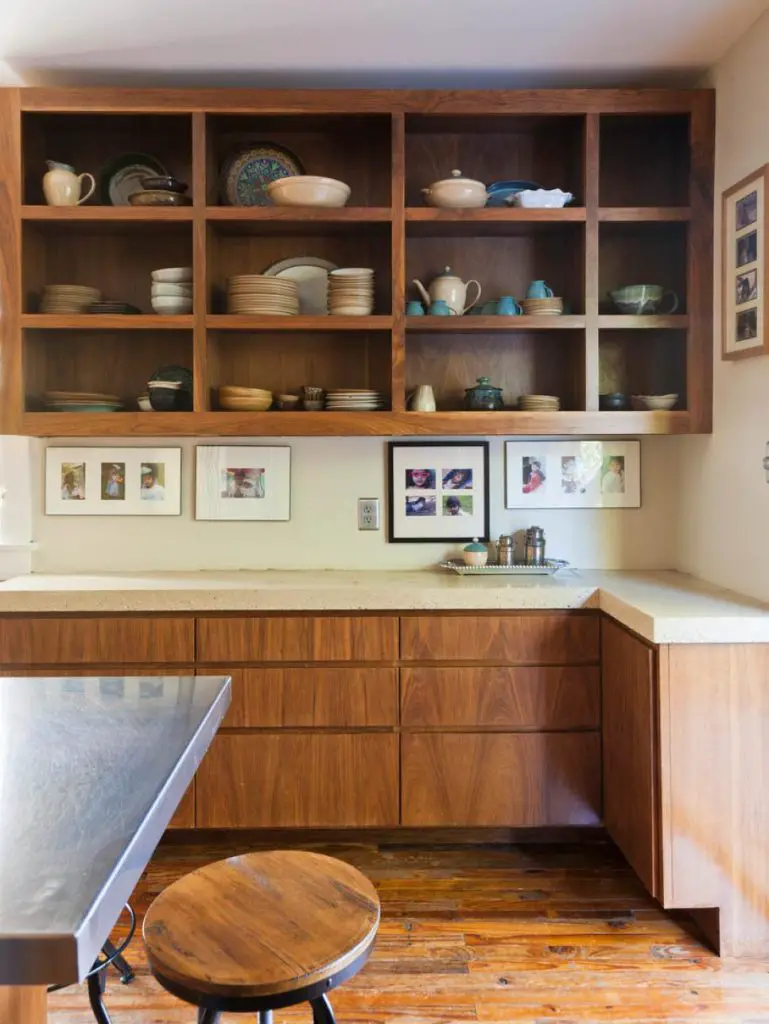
[(745, 331), (113, 481), (573, 474)]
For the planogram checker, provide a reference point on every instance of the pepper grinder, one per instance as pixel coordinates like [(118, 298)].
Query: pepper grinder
[(534, 549)]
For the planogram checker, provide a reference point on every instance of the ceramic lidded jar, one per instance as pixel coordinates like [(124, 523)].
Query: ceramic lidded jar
[(484, 397), (475, 554), (62, 186), (456, 193)]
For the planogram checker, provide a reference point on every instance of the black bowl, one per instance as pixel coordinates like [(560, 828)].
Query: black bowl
[(170, 399), (166, 184), (612, 402)]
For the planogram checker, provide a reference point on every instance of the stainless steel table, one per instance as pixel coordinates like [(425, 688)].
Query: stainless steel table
[(91, 772)]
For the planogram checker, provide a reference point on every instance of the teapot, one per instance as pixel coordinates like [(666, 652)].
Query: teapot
[(449, 288)]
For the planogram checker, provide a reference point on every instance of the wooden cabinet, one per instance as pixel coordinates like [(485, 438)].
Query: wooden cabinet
[(502, 698), (184, 815), (517, 639), (500, 779), (319, 697), (297, 638), (630, 751), (320, 780), (75, 640)]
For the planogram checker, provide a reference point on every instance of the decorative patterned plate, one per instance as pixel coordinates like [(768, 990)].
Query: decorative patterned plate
[(124, 175), (245, 175), (311, 274)]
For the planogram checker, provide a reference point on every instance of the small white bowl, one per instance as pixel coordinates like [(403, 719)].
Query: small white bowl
[(168, 305), (173, 275), (143, 401), (308, 190), (176, 291), (541, 199), (657, 402)]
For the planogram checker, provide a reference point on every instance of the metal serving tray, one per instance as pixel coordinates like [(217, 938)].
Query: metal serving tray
[(550, 568)]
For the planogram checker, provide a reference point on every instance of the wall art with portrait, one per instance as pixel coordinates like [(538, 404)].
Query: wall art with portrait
[(745, 331), (438, 491), (245, 482), (573, 474), (113, 481)]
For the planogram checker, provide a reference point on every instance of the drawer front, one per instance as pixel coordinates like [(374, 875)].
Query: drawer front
[(78, 641), (305, 697), (521, 779), (308, 780), (507, 698), (517, 639), (298, 638)]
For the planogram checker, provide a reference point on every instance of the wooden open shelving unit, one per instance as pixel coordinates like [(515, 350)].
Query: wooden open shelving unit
[(640, 163)]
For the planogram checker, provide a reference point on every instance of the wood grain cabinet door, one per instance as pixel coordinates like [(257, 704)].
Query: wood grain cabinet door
[(77, 640), (263, 638), (630, 751), (313, 780)]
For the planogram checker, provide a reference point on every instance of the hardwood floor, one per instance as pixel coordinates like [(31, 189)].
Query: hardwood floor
[(526, 933)]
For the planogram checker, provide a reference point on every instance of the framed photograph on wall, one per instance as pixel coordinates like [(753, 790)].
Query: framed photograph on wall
[(243, 482), (573, 474), (438, 491), (745, 331), (113, 481)]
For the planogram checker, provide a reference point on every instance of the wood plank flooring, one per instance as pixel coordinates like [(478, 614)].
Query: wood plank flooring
[(562, 934)]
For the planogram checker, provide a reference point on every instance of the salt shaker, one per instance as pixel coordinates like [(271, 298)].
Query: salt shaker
[(505, 551), (535, 546)]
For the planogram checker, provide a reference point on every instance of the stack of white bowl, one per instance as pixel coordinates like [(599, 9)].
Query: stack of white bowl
[(62, 299), (351, 292), (260, 295), (172, 290)]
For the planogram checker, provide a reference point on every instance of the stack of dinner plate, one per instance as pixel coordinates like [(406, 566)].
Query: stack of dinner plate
[(259, 295), (351, 292), (350, 399), (68, 298), (543, 307), (539, 403), (81, 401)]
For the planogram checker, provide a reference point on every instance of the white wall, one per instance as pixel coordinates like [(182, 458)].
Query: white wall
[(328, 475), (724, 511)]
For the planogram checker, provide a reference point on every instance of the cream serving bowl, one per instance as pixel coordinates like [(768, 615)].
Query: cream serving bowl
[(308, 190)]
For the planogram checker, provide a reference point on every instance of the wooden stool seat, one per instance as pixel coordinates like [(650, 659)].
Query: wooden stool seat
[(261, 930)]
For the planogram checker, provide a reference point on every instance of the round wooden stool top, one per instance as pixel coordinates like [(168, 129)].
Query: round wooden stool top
[(261, 924)]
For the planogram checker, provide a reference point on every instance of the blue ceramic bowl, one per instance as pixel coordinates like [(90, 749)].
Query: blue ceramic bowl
[(501, 191)]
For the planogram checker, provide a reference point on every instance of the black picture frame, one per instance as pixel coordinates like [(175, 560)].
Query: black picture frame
[(483, 447)]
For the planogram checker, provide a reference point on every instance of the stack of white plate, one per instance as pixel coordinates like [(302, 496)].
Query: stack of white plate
[(172, 291), (68, 298), (350, 399), (539, 403), (351, 292), (260, 295)]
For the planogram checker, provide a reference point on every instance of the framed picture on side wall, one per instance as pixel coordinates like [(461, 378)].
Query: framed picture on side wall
[(745, 331), (573, 474), (113, 481), (438, 491)]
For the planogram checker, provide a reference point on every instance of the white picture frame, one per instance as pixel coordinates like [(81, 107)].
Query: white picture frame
[(113, 481), (572, 474), (243, 483), (745, 325)]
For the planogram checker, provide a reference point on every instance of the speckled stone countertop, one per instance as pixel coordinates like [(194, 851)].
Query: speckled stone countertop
[(662, 607)]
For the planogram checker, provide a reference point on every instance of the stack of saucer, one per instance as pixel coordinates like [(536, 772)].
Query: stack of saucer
[(68, 298), (542, 307), (351, 399), (539, 403), (81, 401), (351, 292), (259, 295)]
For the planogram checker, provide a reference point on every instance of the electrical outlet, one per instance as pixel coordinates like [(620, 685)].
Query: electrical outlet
[(368, 513)]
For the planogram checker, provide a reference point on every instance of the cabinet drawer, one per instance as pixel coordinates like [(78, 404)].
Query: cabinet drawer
[(517, 639), (309, 780), (305, 697), (69, 640), (298, 638), (513, 698), (523, 779)]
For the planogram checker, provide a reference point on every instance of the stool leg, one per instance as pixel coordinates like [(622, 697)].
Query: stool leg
[(321, 1011), (95, 989), (121, 965), (265, 1017), (207, 1016)]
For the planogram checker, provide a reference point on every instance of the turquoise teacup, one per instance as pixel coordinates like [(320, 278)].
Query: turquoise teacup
[(415, 308), (539, 290), (440, 308), (489, 308), (507, 306)]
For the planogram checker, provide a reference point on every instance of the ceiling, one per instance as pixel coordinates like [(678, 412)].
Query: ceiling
[(418, 43)]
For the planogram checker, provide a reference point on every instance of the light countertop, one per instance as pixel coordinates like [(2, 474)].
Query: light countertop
[(662, 607)]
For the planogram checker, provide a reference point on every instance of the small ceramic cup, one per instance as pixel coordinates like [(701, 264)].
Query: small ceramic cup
[(415, 308), (539, 290), (507, 306), (441, 308)]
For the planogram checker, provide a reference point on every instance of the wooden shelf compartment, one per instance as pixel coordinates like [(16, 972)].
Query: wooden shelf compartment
[(117, 363), (354, 148), (128, 215), (89, 141), (252, 252), (540, 362), (642, 253), (116, 258), (295, 220), (108, 322), (284, 364), (282, 324), (644, 160), (652, 363), (470, 324), (430, 221)]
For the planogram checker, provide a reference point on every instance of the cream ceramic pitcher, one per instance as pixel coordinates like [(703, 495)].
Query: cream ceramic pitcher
[(451, 289), (62, 186)]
